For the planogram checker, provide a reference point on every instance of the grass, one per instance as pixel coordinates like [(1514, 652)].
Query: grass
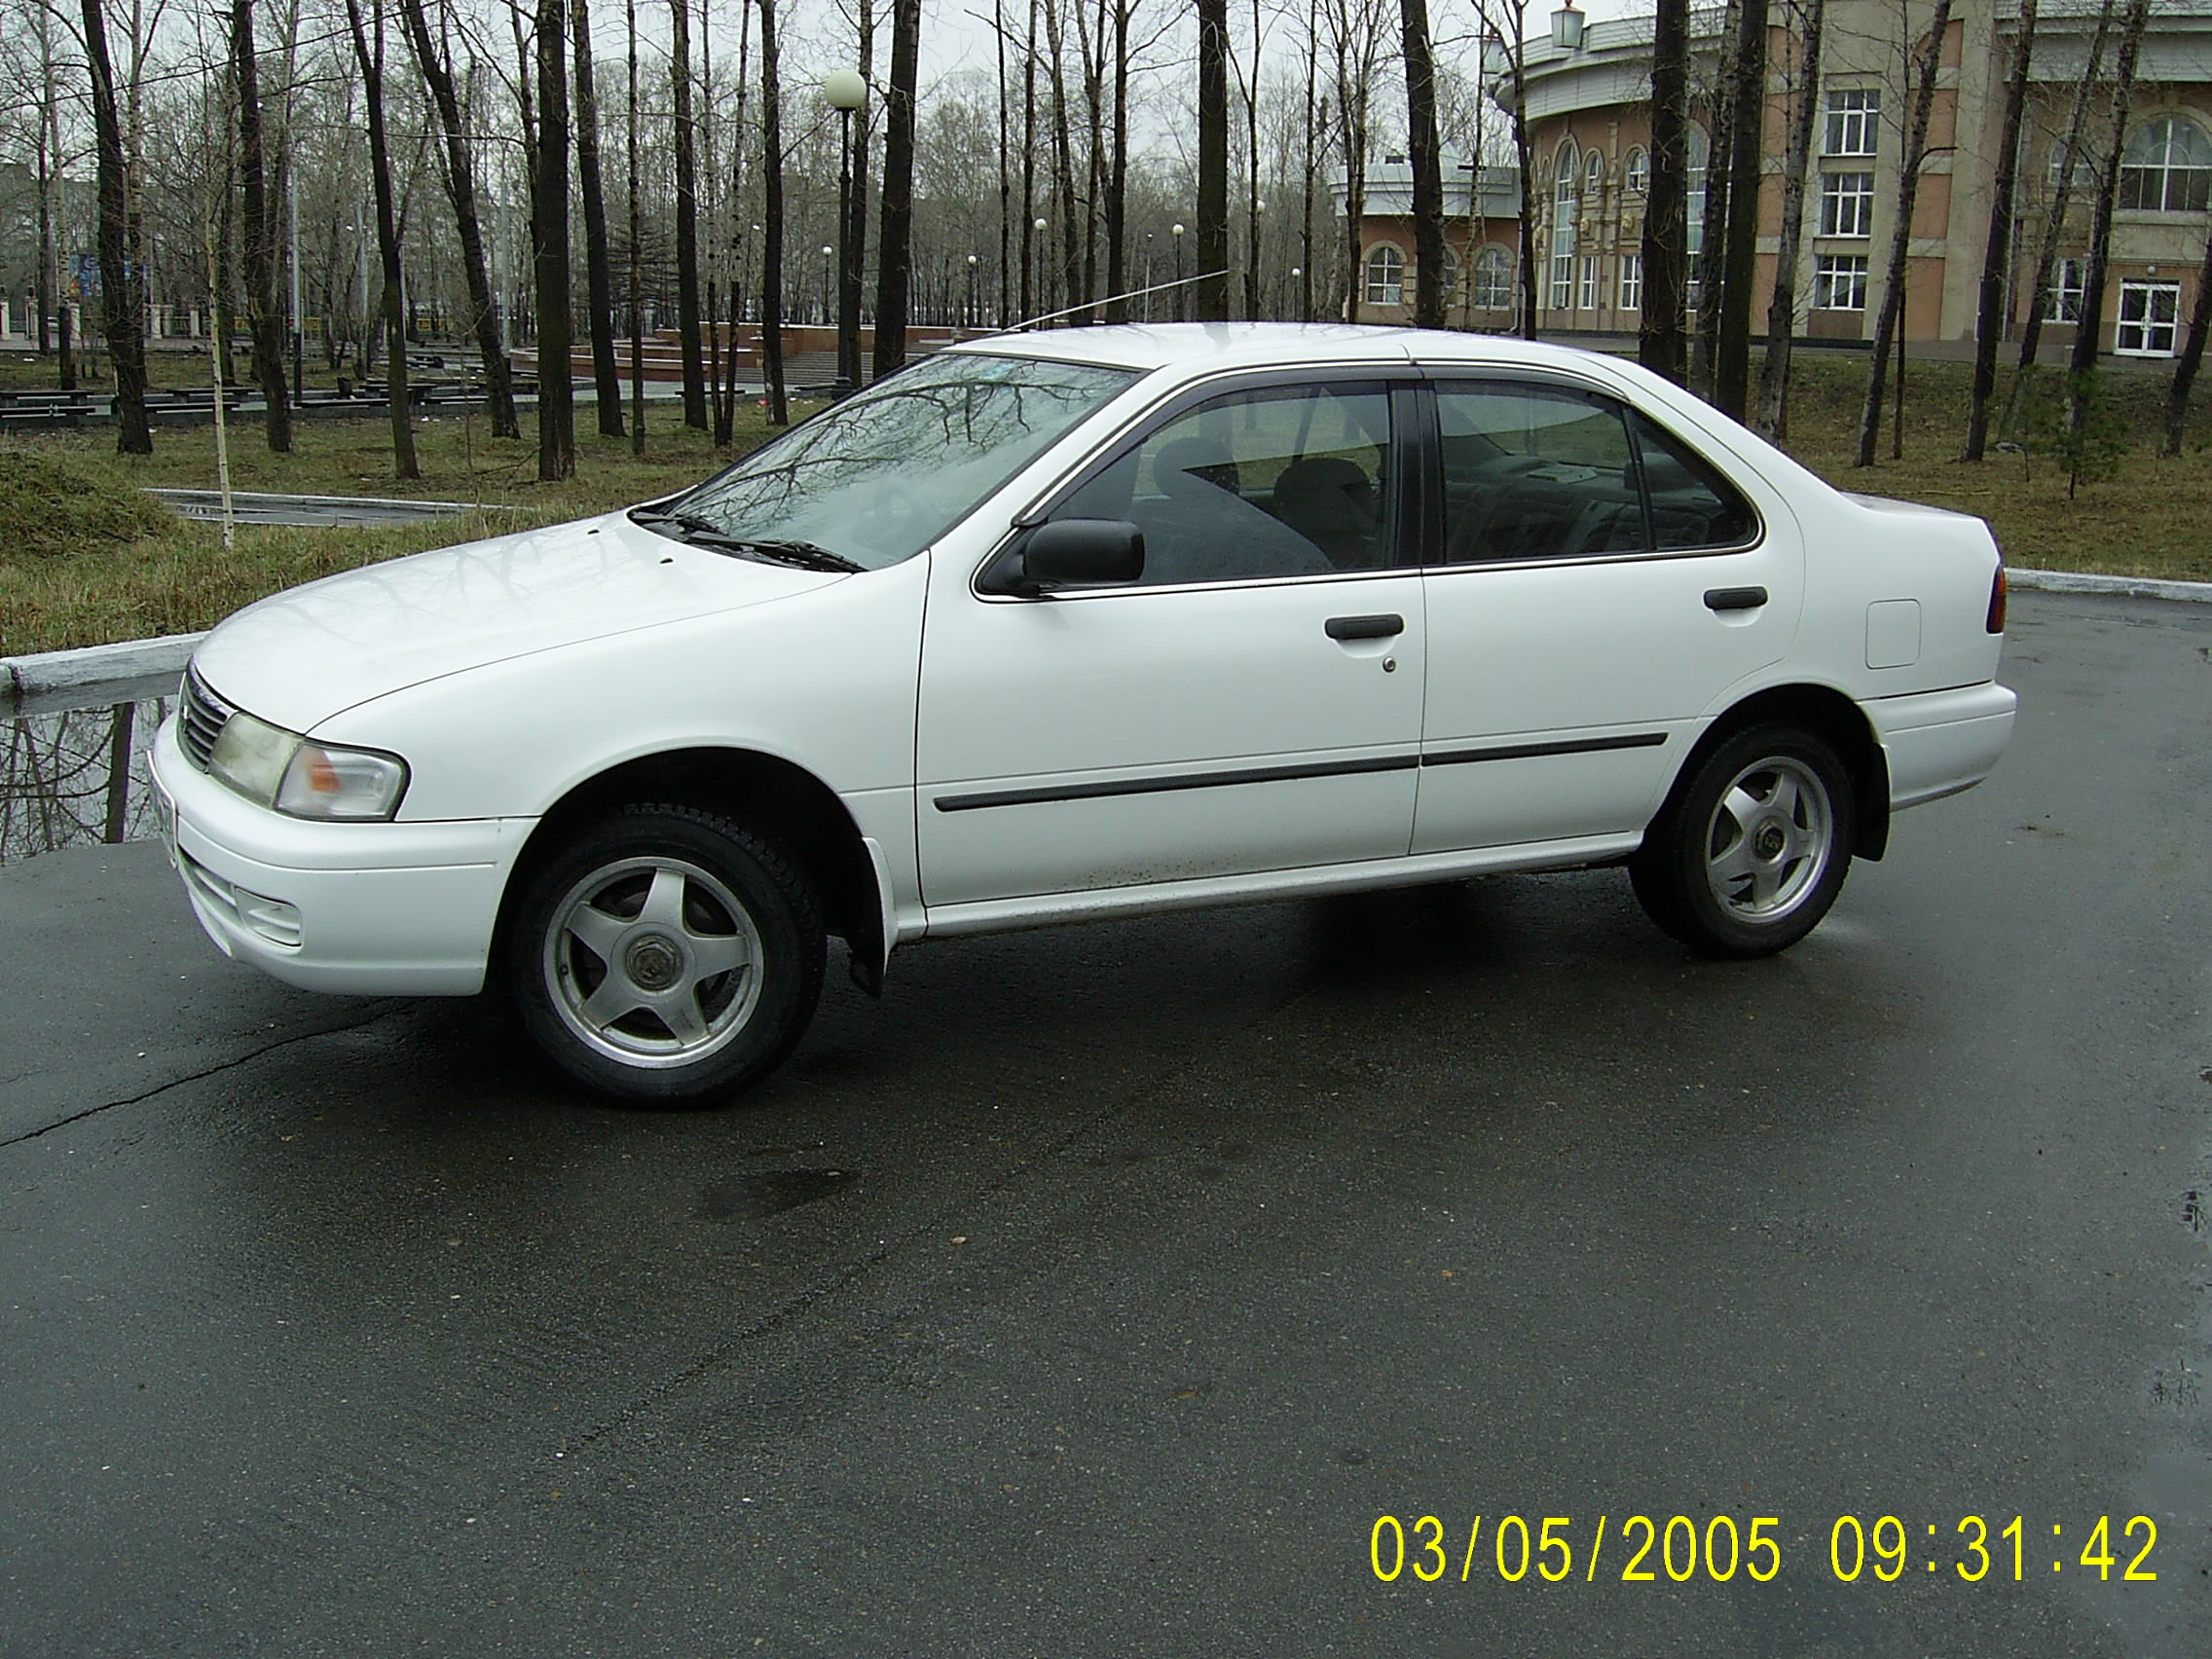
[(81, 561)]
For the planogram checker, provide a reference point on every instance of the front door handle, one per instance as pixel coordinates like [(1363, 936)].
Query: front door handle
[(1366, 627), (1734, 599)]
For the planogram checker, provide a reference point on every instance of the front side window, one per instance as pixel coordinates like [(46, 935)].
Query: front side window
[(1839, 282), (1385, 275), (1256, 485), (2166, 167), (880, 476), (1854, 121), (1846, 205), (1543, 473), (1492, 287)]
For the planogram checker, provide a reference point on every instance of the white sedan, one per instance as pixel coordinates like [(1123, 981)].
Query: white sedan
[(1075, 624)]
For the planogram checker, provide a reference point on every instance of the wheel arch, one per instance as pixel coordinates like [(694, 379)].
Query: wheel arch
[(764, 792), (1833, 716)]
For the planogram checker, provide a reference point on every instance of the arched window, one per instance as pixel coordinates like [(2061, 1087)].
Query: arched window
[(1492, 288), (1385, 275), (1594, 176), (1565, 178), (1700, 153), (1638, 172), (2166, 167)]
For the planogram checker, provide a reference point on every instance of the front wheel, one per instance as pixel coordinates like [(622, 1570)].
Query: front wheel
[(1748, 858), (666, 956)]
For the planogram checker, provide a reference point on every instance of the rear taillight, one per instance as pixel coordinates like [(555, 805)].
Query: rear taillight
[(1995, 621)]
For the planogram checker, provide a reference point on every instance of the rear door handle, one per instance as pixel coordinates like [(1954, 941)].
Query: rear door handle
[(1734, 599), (1366, 627)]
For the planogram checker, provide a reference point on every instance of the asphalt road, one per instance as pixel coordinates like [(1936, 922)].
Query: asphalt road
[(1097, 1291)]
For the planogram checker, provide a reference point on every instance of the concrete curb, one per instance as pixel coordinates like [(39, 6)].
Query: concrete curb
[(26, 677), (2127, 587)]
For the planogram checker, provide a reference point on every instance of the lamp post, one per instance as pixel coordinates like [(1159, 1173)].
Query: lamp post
[(1041, 227), (828, 302), (1176, 231), (971, 315), (846, 91), (1295, 275)]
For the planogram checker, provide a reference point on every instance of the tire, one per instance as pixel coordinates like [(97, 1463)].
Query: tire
[(666, 956), (1747, 856)]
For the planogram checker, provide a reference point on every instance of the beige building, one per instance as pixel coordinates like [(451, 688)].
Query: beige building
[(1588, 89)]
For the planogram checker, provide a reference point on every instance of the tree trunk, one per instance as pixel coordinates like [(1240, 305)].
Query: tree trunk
[(1886, 329), (599, 273), (1117, 176), (772, 213), (1211, 290), (2192, 356), (371, 63), (686, 219), (460, 191), (262, 317), (1997, 251), (1428, 180), (2086, 333), (1739, 263), (1782, 310), (895, 253), (549, 236), (1660, 346), (636, 254), (120, 311)]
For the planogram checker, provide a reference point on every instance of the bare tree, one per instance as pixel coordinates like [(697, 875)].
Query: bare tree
[(1782, 310), (1888, 325), (636, 254), (1660, 346), (460, 191), (2192, 357), (121, 315), (686, 219), (1997, 247), (772, 219), (1427, 166), (1211, 290), (263, 317), (1739, 264), (599, 273), (370, 61), (2085, 334), (894, 254), (549, 238)]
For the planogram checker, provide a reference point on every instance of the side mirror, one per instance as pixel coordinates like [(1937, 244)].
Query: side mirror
[(1069, 553)]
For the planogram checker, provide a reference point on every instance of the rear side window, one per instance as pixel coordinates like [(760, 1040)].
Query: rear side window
[(1534, 473)]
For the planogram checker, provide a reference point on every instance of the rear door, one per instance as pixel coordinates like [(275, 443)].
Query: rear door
[(1597, 586)]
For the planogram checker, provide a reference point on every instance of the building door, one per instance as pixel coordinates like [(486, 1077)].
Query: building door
[(2148, 314)]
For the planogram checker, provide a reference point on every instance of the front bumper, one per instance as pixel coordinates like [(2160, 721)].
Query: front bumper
[(1940, 742), (375, 909)]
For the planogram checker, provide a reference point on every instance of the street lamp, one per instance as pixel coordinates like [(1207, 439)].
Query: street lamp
[(971, 317), (828, 301), (1295, 275), (1176, 231), (846, 91)]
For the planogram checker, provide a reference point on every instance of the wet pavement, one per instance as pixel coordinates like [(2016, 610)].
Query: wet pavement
[(1100, 1290)]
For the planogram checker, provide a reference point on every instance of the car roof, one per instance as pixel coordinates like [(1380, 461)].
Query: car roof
[(1204, 347)]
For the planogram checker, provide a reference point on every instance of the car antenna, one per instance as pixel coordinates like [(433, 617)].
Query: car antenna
[(1110, 299)]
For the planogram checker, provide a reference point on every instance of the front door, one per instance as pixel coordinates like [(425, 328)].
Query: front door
[(1252, 703), (2149, 313)]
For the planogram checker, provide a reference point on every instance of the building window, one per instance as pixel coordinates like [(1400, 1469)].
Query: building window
[(1588, 300), (2069, 281), (1854, 120), (1846, 205), (1594, 176), (1699, 153), (1839, 282), (1638, 172), (1494, 278), (1632, 281), (1563, 281), (2166, 167), (2147, 314), (1385, 275)]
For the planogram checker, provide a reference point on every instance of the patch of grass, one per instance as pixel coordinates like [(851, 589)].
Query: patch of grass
[(50, 510)]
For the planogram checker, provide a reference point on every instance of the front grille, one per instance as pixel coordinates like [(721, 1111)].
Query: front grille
[(205, 716)]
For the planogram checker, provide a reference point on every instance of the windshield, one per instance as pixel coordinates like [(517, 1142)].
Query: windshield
[(883, 474)]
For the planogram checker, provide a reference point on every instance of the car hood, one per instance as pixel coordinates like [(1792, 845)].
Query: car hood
[(301, 656)]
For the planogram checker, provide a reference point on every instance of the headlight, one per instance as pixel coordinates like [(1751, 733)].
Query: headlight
[(282, 769)]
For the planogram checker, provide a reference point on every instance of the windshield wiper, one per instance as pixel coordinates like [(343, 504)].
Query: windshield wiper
[(701, 531)]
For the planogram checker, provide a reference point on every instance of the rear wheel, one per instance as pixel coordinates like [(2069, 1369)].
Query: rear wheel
[(666, 955), (1748, 858)]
